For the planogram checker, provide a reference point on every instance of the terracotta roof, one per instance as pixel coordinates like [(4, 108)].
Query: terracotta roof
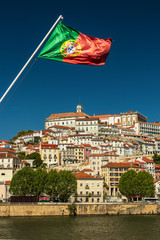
[(110, 153), (29, 146), (129, 112), (156, 180), (7, 155), (87, 119), (127, 134), (94, 148), (69, 114), (87, 170), (82, 175), (86, 145), (46, 145), (25, 162), (121, 165), (157, 165), (117, 123), (58, 126), (103, 116), (147, 160), (7, 149)]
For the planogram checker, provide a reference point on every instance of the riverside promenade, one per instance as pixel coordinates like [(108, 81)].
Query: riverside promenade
[(60, 209)]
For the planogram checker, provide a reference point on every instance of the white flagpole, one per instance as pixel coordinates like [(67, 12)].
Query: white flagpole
[(58, 19)]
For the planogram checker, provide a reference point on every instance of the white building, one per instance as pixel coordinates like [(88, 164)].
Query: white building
[(65, 119), (147, 128)]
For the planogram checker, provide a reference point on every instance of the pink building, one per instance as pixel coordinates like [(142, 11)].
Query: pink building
[(87, 152)]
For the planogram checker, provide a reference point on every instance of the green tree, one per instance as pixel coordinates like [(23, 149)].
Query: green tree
[(156, 158), (67, 185), (21, 155), (21, 133), (146, 186), (52, 183), (40, 177), (37, 159), (136, 184), (22, 182), (128, 183)]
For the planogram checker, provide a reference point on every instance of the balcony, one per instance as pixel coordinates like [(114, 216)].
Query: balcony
[(86, 187), (86, 195)]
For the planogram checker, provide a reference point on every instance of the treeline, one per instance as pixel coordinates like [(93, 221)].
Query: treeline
[(29, 182), (21, 133)]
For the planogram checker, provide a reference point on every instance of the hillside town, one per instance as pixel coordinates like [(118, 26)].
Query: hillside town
[(97, 149)]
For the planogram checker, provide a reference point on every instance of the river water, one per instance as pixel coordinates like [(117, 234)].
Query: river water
[(81, 228)]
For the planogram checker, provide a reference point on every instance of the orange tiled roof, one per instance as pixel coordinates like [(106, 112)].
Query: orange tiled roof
[(46, 145), (147, 160), (7, 155), (59, 126), (157, 165), (103, 116), (87, 119), (87, 145), (94, 148), (82, 175), (87, 170), (29, 146), (69, 114), (121, 165), (25, 162)]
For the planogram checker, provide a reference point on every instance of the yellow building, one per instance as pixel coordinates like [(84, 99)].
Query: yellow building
[(89, 188), (50, 154), (79, 153), (112, 173), (46, 137)]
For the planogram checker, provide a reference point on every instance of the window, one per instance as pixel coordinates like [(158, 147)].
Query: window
[(2, 173), (81, 184)]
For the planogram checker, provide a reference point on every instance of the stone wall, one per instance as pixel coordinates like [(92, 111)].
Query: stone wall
[(82, 209)]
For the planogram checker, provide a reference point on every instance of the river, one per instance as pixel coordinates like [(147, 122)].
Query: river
[(81, 228)]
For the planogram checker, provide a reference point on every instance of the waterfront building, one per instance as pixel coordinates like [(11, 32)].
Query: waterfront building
[(89, 188), (112, 173), (157, 188), (4, 190)]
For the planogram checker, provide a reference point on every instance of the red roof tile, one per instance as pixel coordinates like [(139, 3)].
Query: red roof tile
[(82, 175), (121, 165), (70, 114)]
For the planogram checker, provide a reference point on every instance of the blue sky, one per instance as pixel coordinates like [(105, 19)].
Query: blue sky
[(130, 79)]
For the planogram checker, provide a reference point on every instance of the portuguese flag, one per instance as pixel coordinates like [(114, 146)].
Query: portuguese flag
[(69, 45)]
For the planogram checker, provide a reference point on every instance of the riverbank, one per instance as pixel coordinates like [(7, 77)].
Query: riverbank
[(59, 209)]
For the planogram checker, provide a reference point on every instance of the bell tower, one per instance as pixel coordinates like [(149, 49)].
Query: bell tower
[(79, 108)]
